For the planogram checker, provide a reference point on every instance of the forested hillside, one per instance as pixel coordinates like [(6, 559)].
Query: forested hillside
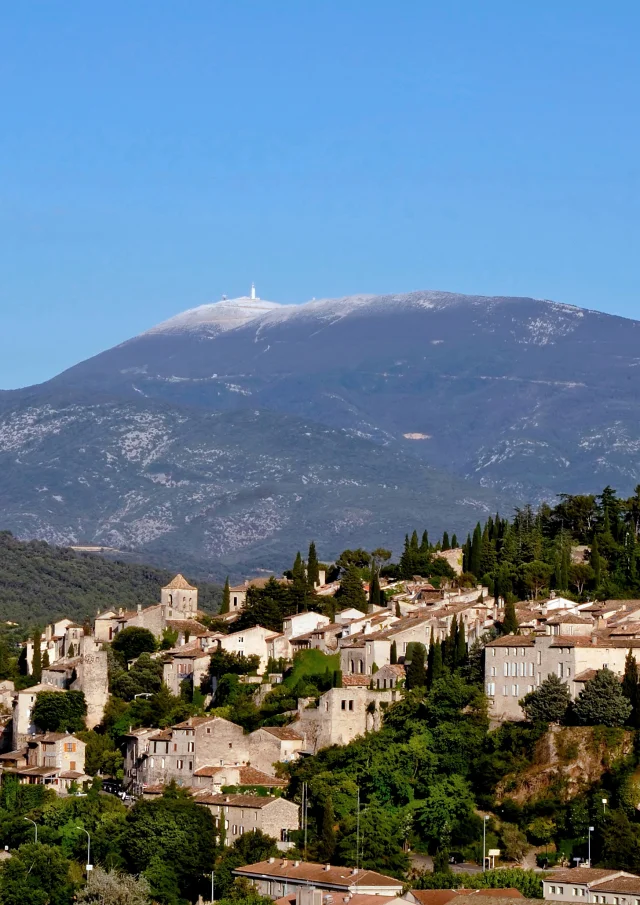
[(39, 583)]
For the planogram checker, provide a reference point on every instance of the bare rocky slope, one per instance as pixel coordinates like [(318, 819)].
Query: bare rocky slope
[(239, 430)]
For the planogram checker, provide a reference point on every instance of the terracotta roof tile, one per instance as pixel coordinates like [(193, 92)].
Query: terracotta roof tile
[(179, 583)]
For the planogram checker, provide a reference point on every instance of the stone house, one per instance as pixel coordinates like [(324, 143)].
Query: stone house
[(516, 664), (55, 759), (275, 817), (23, 726), (272, 744), (156, 757), (359, 656), (249, 642), (216, 779), (342, 714), (390, 676), (279, 877), (189, 662)]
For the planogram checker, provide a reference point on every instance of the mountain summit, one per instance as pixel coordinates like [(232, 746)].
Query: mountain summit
[(238, 428)]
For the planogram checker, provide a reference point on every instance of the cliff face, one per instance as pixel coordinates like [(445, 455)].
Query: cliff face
[(567, 761)]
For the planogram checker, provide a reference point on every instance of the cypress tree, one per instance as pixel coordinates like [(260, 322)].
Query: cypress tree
[(72, 651), (476, 551), (351, 592), (454, 542), (226, 597), (466, 555), (452, 644), (437, 666), (393, 653), (313, 566), (424, 544), (445, 541), (398, 610), (327, 841), (631, 688), (45, 660), (414, 545), (36, 663), (461, 646), (596, 562), (566, 563), (374, 588), (510, 621), (416, 670), (430, 660)]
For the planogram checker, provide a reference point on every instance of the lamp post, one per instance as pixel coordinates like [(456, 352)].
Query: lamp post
[(89, 864), (590, 831), (35, 825), (484, 841), (605, 802), (213, 889)]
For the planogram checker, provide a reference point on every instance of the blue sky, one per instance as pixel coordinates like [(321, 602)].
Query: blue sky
[(154, 155)]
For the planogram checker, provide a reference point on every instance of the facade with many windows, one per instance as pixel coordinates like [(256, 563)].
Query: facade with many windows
[(517, 664)]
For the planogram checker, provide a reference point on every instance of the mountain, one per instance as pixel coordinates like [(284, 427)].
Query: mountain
[(40, 583), (242, 428)]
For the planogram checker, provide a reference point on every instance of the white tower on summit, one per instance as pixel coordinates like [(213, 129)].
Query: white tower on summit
[(253, 291)]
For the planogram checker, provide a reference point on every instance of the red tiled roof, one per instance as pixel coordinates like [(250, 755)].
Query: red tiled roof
[(356, 681)]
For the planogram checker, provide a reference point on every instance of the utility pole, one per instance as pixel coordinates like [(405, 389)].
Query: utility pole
[(305, 817), (484, 842), (358, 830), (590, 831)]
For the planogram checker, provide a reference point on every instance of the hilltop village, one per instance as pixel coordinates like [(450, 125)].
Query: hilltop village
[(337, 728)]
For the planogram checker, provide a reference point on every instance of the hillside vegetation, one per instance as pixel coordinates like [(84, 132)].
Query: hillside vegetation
[(39, 583)]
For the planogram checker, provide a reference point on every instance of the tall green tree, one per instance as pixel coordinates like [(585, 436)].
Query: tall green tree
[(602, 702), (631, 689), (454, 542), (510, 620), (36, 662), (596, 562), (374, 588), (393, 653), (549, 703), (416, 669), (327, 840), (313, 566), (225, 606), (475, 560), (351, 593), (37, 874), (445, 541)]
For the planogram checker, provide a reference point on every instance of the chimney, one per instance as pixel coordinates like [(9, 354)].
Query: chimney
[(354, 871), (271, 860), (327, 867), (296, 864), (594, 638), (139, 607)]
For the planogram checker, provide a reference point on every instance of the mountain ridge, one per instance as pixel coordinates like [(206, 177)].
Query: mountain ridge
[(501, 399)]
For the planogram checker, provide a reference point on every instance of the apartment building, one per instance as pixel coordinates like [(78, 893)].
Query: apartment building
[(240, 814), (516, 664)]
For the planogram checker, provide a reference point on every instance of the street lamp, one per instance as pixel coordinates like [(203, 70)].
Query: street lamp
[(35, 825), (89, 864), (605, 802), (484, 841), (213, 889), (590, 831)]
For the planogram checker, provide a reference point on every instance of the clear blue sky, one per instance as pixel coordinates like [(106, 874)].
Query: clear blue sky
[(154, 155)]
